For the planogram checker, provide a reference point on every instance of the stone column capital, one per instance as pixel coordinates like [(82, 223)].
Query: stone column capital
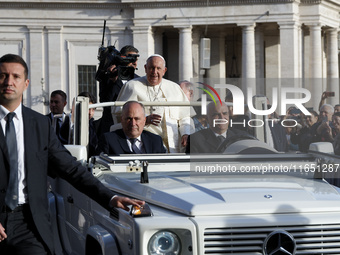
[(289, 24), (332, 30), (247, 25), (54, 29), (184, 29), (314, 25), (141, 29), (35, 28)]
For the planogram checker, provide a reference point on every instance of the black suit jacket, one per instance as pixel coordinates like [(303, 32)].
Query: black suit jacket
[(205, 141), (44, 154), (114, 143), (279, 137), (63, 131)]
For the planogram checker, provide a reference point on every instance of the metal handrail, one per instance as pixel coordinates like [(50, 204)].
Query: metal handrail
[(148, 103)]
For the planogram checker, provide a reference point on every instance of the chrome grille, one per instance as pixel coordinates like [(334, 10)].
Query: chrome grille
[(310, 239)]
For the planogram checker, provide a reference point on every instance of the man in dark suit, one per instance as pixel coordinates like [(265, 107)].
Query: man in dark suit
[(58, 102), (208, 140), (131, 138), (25, 162)]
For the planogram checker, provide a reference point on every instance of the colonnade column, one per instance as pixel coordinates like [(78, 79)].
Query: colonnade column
[(221, 56), (315, 64), (260, 61), (143, 40), (332, 65), (55, 71), (185, 54), (289, 51), (36, 66), (127, 36), (158, 35), (259, 51), (316, 51), (248, 57), (115, 33), (196, 33)]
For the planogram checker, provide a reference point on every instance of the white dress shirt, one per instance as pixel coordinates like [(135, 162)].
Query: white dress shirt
[(138, 143), (223, 134), (19, 130)]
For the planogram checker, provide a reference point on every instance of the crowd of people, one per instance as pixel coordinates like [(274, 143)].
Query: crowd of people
[(321, 126)]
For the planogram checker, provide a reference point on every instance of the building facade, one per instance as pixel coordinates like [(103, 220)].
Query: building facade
[(267, 43)]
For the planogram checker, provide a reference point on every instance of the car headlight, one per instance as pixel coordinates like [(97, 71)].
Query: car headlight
[(164, 243)]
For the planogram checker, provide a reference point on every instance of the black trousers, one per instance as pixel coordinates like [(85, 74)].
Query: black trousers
[(22, 235)]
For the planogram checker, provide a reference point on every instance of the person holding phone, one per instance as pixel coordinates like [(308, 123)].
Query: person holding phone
[(325, 122), (324, 96)]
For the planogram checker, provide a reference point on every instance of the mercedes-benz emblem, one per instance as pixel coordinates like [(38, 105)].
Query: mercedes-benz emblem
[(279, 242)]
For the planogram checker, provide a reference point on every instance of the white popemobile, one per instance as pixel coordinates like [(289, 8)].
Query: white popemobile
[(231, 203)]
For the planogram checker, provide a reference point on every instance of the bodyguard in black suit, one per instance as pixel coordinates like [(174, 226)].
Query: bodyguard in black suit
[(24, 219), (208, 140), (61, 128), (123, 141), (205, 141), (58, 102)]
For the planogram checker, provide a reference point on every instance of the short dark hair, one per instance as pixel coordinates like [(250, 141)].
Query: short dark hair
[(92, 98), (128, 48), (59, 92), (12, 58)]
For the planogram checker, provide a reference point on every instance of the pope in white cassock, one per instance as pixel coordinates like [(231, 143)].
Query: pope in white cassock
[(173, 124)]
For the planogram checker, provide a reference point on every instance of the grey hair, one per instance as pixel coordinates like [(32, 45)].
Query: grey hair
[(328, 105)]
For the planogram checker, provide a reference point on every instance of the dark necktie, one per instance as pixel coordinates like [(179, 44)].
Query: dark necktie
[(11, 198), (221, 138), (57, 127), (134, 146)]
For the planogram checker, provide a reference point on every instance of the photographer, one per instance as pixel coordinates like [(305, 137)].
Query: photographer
[(120, 70)]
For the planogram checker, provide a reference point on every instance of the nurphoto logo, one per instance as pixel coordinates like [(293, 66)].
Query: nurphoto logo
[(239, 99)]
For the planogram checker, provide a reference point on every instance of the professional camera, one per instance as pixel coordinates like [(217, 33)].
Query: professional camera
[(108, 56)]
